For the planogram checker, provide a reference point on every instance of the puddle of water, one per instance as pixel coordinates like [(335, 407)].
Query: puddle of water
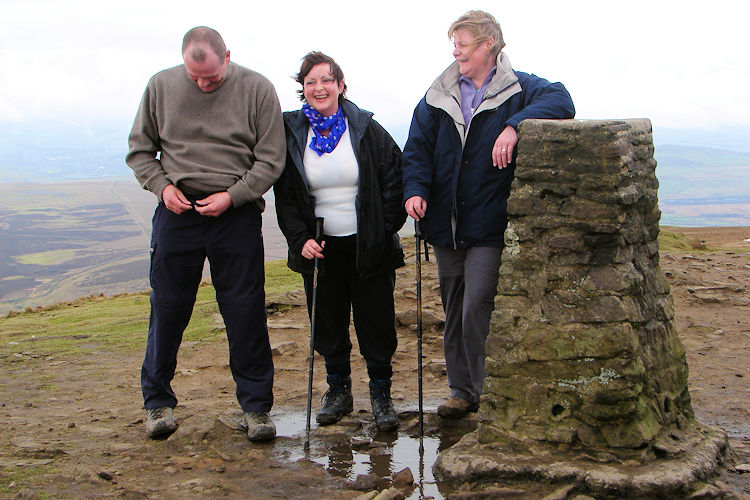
[(335, 451)]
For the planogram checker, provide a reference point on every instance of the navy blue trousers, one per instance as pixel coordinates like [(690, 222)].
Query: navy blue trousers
[(233, 244)]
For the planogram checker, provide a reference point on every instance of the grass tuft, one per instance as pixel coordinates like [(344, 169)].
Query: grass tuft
[(672, 242), (118, 323)]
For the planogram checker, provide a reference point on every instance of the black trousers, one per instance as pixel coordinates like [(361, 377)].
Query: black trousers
[(341, 290), (233, 244)]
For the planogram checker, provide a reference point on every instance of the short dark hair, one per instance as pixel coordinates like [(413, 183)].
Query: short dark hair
[(204, 35), (311, 60)]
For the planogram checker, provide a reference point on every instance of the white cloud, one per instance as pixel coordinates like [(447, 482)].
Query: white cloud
[(682, 64)]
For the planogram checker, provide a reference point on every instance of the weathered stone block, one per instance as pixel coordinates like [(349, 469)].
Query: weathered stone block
[(606, 280), (582, 346), (560, 311), (530, 204), (603, 256), (632, 434), (566, 259), (576, 342), (583, 357)]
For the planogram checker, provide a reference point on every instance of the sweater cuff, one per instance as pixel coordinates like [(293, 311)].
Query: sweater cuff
[(513, 122), (240, 194), (157, 186), (411, 194)]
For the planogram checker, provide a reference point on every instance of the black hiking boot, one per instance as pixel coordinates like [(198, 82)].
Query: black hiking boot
[(338, 400), (382, 405)]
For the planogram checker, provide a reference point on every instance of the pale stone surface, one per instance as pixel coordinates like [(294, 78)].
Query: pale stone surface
[(430, 316), (367, 496), (194, 428), (281, 347), (390, 494), (365, 482), (404, 477), (470, 460)]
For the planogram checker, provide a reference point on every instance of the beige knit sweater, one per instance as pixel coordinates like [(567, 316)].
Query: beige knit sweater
[(231, 139)]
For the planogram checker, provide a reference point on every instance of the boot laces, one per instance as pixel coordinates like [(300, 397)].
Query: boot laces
[(332, 395)]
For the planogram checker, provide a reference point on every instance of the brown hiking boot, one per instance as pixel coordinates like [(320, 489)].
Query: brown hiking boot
[(260, 427), (160, 422), (456, 407)]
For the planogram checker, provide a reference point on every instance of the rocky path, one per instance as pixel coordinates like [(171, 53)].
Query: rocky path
[(73, 427)]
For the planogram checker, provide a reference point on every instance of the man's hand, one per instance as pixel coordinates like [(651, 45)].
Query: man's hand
[(416, 207), (214, 205), (175, 200), (502, 151)]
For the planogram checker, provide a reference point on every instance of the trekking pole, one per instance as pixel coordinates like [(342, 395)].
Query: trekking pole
[(418, 236), (318, 237)]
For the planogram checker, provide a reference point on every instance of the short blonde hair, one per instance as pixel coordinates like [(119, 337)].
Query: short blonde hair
[(482, 25)]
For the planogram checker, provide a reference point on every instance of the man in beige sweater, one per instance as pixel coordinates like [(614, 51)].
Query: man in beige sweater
[(208, 141)]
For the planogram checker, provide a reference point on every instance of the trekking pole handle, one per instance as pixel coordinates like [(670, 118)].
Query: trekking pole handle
[(318, 229), (418, 229), (418, 238), (419, 235), (318, 239)]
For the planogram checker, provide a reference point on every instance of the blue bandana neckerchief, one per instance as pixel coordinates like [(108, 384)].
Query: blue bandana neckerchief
[(336, 123)]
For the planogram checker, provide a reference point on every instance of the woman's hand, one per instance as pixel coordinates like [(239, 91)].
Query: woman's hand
[(415, 207), (502, 151), (311, 249)]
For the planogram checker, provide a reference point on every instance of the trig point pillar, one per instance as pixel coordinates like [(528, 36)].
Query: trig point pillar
[(586, 378)]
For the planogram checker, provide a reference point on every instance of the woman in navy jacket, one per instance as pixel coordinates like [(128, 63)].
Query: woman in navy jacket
[(343, 166), (458, 167)]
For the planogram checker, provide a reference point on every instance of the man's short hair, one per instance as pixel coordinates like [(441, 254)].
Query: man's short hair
[(311, 60), (482, 25), (203, 35)]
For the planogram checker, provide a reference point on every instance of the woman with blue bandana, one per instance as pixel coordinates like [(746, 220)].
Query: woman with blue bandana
[(344, 167)]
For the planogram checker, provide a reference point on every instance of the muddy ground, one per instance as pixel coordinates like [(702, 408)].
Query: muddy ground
[(88, 439)]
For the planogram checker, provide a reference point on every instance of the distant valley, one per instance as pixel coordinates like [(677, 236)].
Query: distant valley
[(703, 187), (74, 222), (70, 239)]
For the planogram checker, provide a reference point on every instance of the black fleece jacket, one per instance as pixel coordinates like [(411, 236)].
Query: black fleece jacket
[(380, 213)]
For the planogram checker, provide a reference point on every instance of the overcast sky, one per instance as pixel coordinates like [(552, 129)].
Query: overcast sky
[(679, 63)]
